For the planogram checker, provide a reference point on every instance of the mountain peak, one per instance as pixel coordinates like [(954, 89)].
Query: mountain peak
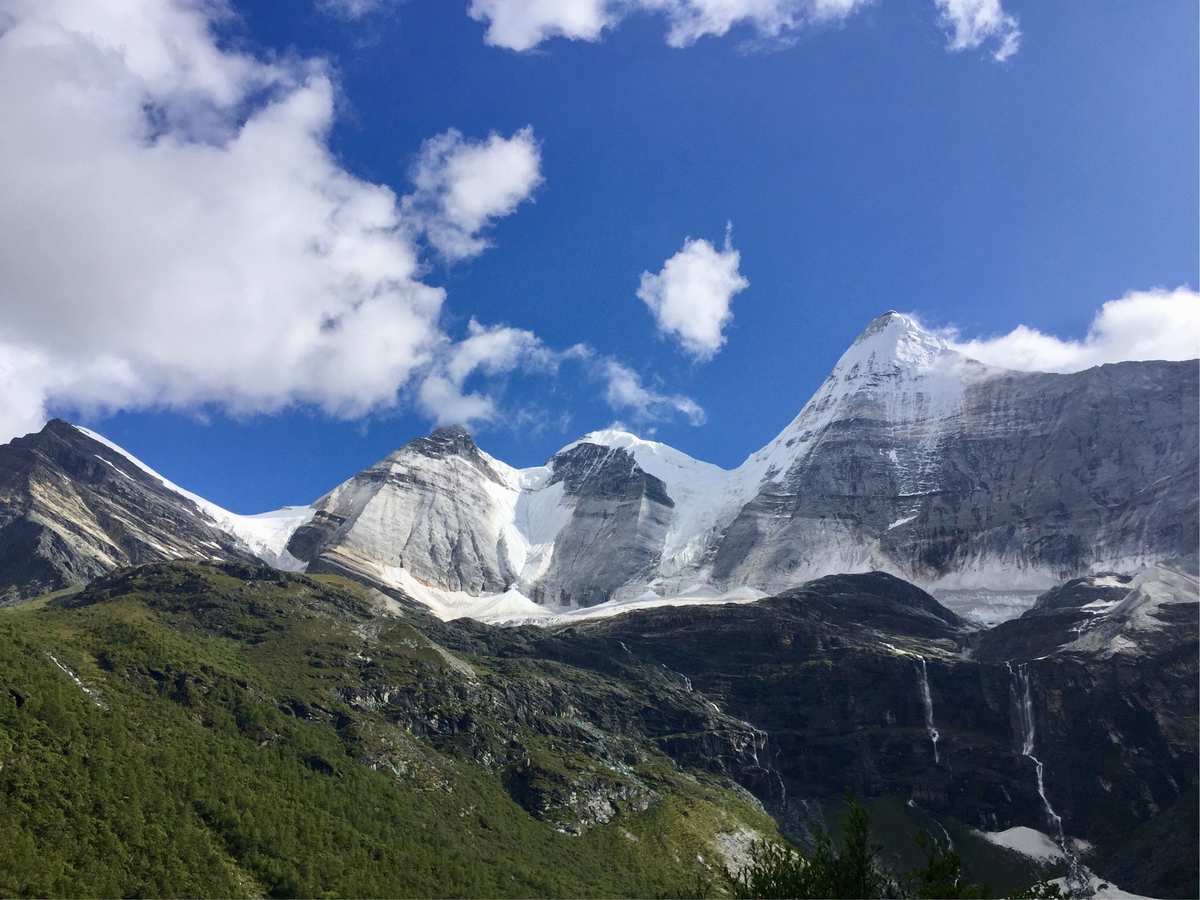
[(893, 340), (445, 440), (610, 437), (450, 433)]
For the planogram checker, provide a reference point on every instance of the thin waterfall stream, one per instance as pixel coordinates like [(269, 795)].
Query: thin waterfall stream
[(927, 700), (1077, 875)]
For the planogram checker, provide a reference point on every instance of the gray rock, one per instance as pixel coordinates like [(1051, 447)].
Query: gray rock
[(72, 508)]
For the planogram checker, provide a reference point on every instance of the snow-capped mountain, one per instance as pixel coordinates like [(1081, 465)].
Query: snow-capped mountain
[(914, 459), (910, 458)]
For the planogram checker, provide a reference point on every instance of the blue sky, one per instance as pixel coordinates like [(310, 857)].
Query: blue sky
[(862, 164)]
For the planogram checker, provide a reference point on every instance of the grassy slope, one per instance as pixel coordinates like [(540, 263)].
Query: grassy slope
[(186, 775)]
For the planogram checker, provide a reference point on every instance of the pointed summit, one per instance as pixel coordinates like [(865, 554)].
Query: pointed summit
[(445, 440), (892, 341)]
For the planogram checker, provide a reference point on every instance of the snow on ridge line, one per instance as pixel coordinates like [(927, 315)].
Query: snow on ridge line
[(266, 534), (705, 495)]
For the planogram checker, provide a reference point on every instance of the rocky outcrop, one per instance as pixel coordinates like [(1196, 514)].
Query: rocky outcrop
[(73, 508), (434, 508), (842, 679), (614, 536)]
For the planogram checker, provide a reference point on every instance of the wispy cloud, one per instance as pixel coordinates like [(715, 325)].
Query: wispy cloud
[(625, 393), (349, 9), (525, 24), (970, 24)]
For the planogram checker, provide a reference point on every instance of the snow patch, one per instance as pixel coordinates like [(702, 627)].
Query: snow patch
[(1119, 628), (1024, 840)]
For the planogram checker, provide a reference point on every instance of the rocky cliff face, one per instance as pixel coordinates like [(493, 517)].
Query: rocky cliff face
[(436, 508), (570, 533), (614, 537), (914, 459), (72, 508), (865, 682)]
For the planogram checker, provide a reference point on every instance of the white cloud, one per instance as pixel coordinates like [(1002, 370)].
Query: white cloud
[(178, 234), (1142, 325), (501, 350), (463, 186), (972, 23), (524, 24), (691, 295), (625, 392), (690, 20)]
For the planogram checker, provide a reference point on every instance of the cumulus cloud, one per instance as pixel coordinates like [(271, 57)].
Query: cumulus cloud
[(177, 231), (178, 234), (463, 186), (690, 296), (524, 24), (1142, 325), (972, 23)]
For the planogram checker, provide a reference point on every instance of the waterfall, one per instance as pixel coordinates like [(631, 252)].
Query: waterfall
[(1077, 875), (927, 699)]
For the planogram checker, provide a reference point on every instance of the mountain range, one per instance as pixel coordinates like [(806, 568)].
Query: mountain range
[(910, 459)]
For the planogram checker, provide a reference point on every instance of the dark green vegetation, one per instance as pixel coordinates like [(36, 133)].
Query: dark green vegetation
[(851, 868), (236, 738), (196, 729)]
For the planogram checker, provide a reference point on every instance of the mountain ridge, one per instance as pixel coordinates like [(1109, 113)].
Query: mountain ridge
[(910, 458)]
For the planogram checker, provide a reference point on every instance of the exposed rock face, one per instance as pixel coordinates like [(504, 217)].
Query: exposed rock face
[(72, 508), (614, 537), (830, 674), (570, 533), (915, 459), (435, 508)]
